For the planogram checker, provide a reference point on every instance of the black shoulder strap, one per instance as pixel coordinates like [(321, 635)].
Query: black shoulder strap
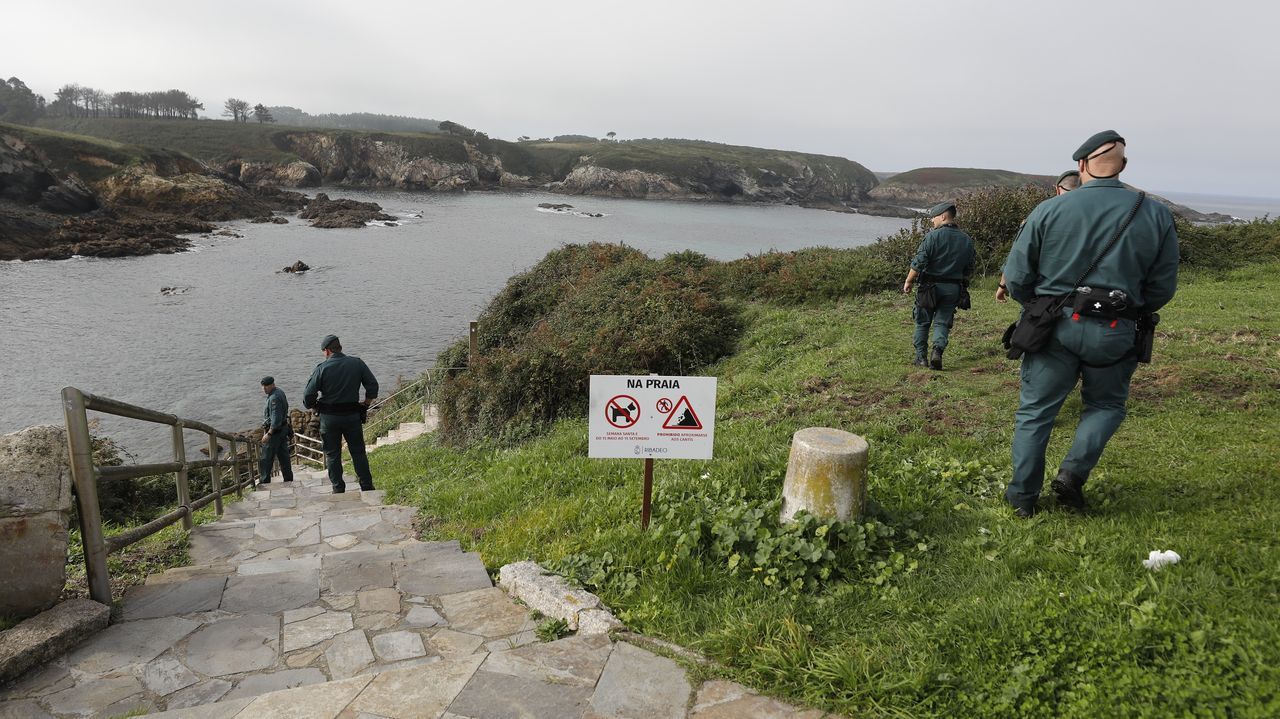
[(1132, 213)]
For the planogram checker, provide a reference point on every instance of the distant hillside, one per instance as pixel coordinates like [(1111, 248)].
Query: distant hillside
[(654, 169), (930, 185), (286, 115)]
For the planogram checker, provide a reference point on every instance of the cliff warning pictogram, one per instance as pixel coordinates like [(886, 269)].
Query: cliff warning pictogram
[(683, 416)]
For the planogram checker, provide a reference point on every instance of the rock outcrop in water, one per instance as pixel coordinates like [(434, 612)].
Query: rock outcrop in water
[(327, 213)]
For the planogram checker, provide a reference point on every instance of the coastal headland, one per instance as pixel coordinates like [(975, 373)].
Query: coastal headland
[(117, 187)]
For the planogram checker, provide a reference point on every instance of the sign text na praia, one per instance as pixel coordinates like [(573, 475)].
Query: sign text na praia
[(650, 417)]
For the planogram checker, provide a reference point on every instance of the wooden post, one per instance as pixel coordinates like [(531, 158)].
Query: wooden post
[(648, 493), (473, 352), (215, 473), (80, 446), (235, 468), (182, 478)]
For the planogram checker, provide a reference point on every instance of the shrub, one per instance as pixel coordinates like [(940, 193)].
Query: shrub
[(583, 310), (1230, 245), (992, 218)]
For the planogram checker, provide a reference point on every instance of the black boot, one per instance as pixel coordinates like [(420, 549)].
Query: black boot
[(1067, 487), (1026, 512), (921, 362), (935, 359)]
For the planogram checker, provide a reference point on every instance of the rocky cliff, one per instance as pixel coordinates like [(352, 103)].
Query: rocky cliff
[(61, 197), (648, 169), (365, 160)]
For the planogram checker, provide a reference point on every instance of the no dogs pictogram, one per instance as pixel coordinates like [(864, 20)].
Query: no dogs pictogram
[(622, 411), (683, 416)]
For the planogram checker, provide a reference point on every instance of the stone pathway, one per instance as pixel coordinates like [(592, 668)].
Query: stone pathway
[(410, 430), (302, 603)]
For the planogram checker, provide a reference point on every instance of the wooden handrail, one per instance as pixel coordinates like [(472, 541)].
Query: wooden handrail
[(86, 475)]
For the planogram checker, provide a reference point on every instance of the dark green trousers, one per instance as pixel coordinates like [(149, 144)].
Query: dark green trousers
[(941, 318), (276, 449), (1049, 376), (333, 429)]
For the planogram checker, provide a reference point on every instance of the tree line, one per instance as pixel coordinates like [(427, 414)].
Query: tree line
[(75, 100), (19, 104)]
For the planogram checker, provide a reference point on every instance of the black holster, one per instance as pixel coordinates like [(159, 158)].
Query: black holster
[(1145, 340)]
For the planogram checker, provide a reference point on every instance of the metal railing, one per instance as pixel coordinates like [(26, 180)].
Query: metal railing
[(421, 390), (308, 449), (87, 475)]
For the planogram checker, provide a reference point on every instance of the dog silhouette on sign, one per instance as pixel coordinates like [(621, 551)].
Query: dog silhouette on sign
[(625, 412)]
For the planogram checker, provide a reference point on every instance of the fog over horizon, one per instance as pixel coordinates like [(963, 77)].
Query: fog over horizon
[(1007, 85)]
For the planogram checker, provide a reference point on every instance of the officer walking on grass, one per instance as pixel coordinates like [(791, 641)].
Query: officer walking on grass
[(275, 432), (334, 392), (1093, 340), (944, 261)]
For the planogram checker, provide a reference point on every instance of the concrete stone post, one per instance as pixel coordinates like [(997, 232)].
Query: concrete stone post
[(826, 475), (35, 509)]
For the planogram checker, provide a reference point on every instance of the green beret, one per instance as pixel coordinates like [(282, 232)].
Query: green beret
[(328, 340), (1095, 142), (1065, 175), (268, 380), (941, 207)]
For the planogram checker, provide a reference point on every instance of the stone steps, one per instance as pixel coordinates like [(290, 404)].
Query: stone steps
[(410, 430), (302, 603)]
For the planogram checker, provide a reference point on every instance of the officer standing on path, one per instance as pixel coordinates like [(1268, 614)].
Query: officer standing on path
[(944, 261), (334, 392), (1094, 338), (275, 432), (1067, 182)]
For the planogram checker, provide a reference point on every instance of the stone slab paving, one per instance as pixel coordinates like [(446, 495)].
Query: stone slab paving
[(307, 604)]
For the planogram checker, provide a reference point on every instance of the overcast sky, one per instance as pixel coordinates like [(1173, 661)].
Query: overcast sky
[(893, 85)]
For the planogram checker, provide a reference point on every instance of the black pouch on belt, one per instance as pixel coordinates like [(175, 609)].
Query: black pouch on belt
[(1034, 327), (927, 296)]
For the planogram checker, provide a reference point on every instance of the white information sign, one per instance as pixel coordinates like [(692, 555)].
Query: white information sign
[(652, 417)]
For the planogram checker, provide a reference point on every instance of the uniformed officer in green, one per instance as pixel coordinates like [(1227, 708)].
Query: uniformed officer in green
[(334, 392), (945, 259), (1067, 182), (1059, 241), (275, 432)]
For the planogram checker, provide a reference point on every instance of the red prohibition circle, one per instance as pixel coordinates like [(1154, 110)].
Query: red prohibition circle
[(664, 405), (622, 411)]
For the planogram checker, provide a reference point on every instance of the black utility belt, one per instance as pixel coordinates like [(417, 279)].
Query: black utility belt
[(942, 280), (340, 408), (1101, 302)]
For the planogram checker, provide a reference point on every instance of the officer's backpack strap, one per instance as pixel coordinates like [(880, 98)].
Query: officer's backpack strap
[(1114, 238)]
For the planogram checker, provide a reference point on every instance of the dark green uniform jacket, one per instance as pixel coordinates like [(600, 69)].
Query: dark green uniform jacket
[(275, 414), (945, 253), (1061, 237), (339, 378)]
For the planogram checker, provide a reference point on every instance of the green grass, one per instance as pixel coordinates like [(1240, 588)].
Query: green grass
[(967, 611), (209, 140)]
